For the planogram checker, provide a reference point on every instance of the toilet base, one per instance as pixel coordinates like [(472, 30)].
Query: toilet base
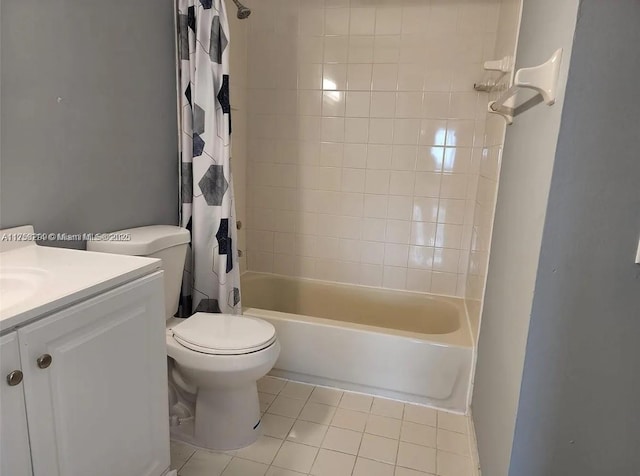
[(225, 419)]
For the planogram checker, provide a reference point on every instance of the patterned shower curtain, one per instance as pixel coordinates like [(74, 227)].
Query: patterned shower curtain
[(212, 279)]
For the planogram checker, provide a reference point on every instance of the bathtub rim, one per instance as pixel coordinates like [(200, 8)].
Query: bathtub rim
[(461, 337)]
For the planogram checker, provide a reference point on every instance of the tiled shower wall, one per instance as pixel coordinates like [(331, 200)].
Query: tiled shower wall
[(238, 90), (489, 169), (365, 161)]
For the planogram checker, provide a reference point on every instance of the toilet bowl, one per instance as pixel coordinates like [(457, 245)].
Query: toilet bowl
[(215, 360), (222, 356)]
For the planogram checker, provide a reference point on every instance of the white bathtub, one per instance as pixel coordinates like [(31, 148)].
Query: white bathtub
[(398, 344)]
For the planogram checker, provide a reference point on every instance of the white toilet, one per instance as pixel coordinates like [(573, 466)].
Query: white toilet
[(215, 359)]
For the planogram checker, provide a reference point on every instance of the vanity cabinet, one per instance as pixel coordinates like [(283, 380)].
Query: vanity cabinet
[(15, 457), (94, 387)]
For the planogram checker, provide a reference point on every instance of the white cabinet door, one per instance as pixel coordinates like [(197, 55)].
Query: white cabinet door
[(99, 407), (15, 458)]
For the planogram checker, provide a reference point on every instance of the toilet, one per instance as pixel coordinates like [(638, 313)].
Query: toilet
[(215, 360)]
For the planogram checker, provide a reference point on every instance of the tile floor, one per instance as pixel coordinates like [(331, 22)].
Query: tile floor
[(309, 430)]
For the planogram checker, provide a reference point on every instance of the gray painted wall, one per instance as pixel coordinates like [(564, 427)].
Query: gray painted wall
[(525, 177), (578, 413), (104, 156)]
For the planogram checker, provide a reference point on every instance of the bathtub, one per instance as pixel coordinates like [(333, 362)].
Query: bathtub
[(409, 346)]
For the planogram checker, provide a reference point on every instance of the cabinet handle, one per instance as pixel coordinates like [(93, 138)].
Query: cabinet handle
[(44, 361), (14, 378)]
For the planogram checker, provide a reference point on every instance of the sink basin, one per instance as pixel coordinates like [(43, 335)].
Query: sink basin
[(19, 284)]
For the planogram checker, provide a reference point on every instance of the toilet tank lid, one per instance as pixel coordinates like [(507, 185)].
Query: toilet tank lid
[(141, 241)]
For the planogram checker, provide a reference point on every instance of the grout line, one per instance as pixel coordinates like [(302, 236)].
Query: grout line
[(362, 433), (185, 461)]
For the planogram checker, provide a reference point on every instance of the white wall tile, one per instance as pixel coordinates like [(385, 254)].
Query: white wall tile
[(388, 21), (371, 275), (332, 129), (356, 130), (358, 103), (360, 49), (362, 21), (359, 77), (406, 131), (396, 255), (331, 154), (379, 157), (355, 155), (425, 209), (333, 103), (419, 280), (409, 104), (386, 49), (395, 277), (397, 231), (400, 207), (430, 158), (380, 131), (402, 183), (383, 104), (427, 184), (336, 21), (336, 49), (353, 180), (411, 77), (310, 76), (370, 159), (384, 77), (334, 77)]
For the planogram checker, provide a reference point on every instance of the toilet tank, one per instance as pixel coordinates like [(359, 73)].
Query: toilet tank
[(165, 242)]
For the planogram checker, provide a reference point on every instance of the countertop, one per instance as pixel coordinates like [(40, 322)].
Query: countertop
[(62, 276)]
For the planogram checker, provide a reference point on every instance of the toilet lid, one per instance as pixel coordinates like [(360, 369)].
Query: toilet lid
[(224, 334)]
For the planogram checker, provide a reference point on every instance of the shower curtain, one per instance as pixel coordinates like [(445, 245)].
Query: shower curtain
[(212, 280)]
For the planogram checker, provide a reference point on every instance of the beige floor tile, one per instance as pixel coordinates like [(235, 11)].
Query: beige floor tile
[(307, 433), (276, 425), (273, 471), (243, 467), (424, 435), (204, 463), (349, 419), (453, 422), (383, 426), (409, 472), (297, 390), (295, 456), (378, 448), (450, 464), (317, 413), (387, 408), (285, 406), (367, 467), (345, 441), (327, 396), (271, 385), (265, 399), (321, 431), (332, 463), (453, 442), (356, 401), (180, 453), (420, 414), (262, 451), (420, 458)]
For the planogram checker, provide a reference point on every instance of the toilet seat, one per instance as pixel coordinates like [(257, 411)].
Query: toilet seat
[(224, 334)]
